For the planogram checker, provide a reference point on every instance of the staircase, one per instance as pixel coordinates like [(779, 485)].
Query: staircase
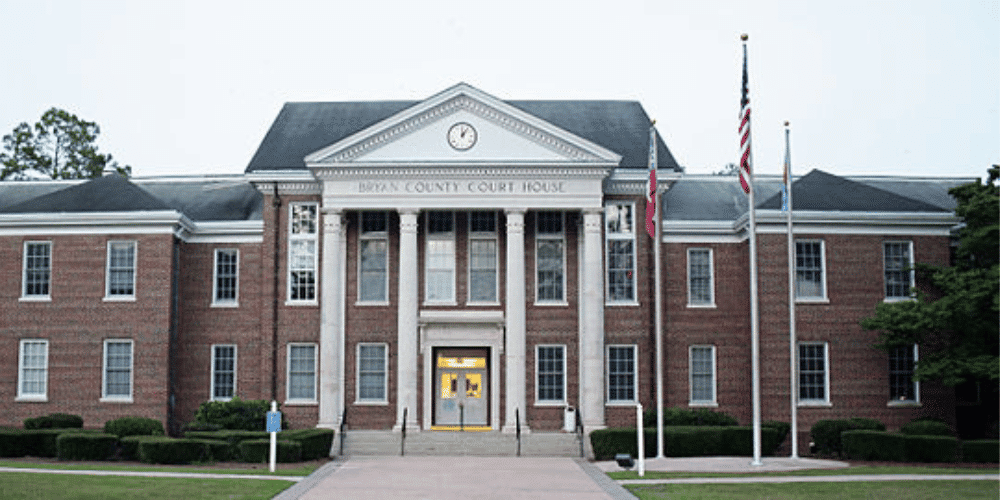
[(447, 443)]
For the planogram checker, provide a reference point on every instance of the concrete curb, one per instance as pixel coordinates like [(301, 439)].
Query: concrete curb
[(122, 473), (309, 482), (606, 483), (815, 479)]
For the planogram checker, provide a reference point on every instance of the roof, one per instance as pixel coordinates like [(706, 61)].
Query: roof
[(820, 191), (302, 128), (111, 193)]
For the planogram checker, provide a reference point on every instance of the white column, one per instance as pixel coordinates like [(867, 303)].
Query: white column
[(514, 348), (331, 318), (592, 343), (406, 370)]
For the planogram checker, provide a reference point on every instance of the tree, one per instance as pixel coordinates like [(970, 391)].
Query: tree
[(729, 169), (956, 320), (59, 146)]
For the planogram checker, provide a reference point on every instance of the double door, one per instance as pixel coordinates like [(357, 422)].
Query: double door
[(462, 388)]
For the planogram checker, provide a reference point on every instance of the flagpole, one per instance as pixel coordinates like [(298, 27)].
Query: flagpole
[(793, 373), (658, 315)]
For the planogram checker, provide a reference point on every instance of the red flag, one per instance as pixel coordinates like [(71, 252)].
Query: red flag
[(651, 186), (745, 169)]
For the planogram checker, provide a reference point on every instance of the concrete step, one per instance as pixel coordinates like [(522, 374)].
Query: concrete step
[(447, 443)]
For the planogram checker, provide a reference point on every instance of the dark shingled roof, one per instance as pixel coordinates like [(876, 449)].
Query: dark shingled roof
[(111, 193), (302, 128), (821, 191)]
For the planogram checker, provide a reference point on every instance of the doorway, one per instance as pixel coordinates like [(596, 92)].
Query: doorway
[(461, 389)]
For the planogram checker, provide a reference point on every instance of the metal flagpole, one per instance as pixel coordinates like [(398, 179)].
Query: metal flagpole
[(658, 315), (792, 348)]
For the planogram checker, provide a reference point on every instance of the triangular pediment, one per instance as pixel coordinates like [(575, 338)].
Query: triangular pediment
[(504, 135)]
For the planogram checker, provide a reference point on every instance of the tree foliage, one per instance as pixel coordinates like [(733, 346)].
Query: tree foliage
[(956, 320), (59, 146), (728, 169)]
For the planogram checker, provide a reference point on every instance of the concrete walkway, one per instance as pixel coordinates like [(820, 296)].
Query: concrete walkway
[(728, 464), (123, 473), (817, 479)]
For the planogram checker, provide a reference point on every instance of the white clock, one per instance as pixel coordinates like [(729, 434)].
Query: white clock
[(462, 136)]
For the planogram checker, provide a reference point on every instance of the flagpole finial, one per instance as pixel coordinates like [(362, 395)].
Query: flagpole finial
[(744, 37), (786, 123)]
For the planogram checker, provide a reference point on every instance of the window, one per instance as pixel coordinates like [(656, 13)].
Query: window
[(550, 365), (483, 257), (814, 378), (227, 277), (621, 373), (439, 260), (701, 288), (550, 257), (619, 233), (898, 258), (302, 252), (372, 373), (373, 266), (121, 270), (902, 387), (117, 384), (702, 370), (37, 269), (810, 282), (302, 372), (33, 371), (223, 372)]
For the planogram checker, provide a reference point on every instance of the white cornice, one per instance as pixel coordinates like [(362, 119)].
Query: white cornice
[(633, 181), (485, 171), (152, 222), (289, 182)]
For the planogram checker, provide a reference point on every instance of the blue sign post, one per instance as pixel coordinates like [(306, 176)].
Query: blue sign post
[(274, 427)]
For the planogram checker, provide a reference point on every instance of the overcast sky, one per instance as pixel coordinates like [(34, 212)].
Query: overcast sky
[(901, 87)]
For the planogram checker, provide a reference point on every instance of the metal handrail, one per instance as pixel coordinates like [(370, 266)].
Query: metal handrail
[(402, 440), (579, 430), (517, 429), (343, 421)]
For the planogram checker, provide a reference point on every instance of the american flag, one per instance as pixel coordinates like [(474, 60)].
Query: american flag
[(651, 186), (745, 170)]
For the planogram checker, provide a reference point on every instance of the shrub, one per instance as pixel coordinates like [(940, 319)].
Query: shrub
[(129, 446), (258, 450), (85, 446), (231, 438), (215, 450), (166, 450), (826, 433), (196, 426), (688, 417), (873, 445), (930, 448), (236, 414), (781, 427), (606, 443), (54, 421), (738, 441), (981, 451), (41, 442), (134, 426), (926, 428), (315, 443), (684, 441), (12, 443)]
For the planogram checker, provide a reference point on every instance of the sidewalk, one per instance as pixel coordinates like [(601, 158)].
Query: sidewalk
[(728, 464), (122, 473)]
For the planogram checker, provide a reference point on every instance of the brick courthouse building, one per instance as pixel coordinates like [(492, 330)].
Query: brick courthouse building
[(462, 259)]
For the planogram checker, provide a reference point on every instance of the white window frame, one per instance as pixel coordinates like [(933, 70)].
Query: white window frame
[(538, 374), (911, 272), (32, 397), (302, 237), (822, 261), (288, 374), (635, 376), (364, 237), (916, 383), (105, 398), (443, 236), (713, 401), (24, 273), (385, 375), (826, 375), (711, 279), (609, 237), (561, 237), (107, 272), (211, 383), (484, 236), (216, 301)]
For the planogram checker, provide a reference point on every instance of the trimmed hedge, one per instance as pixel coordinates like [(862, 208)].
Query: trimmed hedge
[(981, 451), (166, 450), (826, 433), (873, 445), (258, 450), (54, 421), (41, 442), (215, 450), (232, 438), (201, 426), (315, 443), (86, 446), (134, 426), (783, 429), (129, 446), (930, 448), (688, 417), (12, 443), (688, 441), (926, 428)]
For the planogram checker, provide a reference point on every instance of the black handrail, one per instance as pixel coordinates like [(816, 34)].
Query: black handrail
[(579, 430), (343, 421), (402, 440), (517, 429)]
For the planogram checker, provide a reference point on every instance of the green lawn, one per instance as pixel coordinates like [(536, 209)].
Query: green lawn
[(889, 490), (849, 471), (34, 486), (301, 470)]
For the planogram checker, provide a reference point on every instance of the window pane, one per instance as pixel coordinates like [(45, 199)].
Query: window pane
[(618, 218), (902, 387), (808, 269), (621, 373), (304, 219), (37, 268), (302, 372), (550, 373), (621, 263), (118, 369), (482, 222), (33, 372), (374, 259), (699, 276), (121, 268), (226, 274), (897, 273), (371, 372), (812, 372), (483, 270), (702, 374), (224, 373), (550, 270)]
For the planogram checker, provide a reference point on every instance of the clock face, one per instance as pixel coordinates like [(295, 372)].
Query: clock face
[(462, 136)]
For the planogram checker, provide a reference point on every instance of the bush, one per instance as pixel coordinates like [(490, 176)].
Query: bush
[(129, 446), (258, 450), (826, 433), (926, 428), (873, 445), (738, 441), (237, 414), (166, 450), (606, 443), (85, 446), (315, 443), (215, 450), (930, 448), (12, 443), (201, 426), (231, 438), (981, 451), (683, 441), (54, 421), (688, 417), (134, 426), (41, 442), (781, 427)]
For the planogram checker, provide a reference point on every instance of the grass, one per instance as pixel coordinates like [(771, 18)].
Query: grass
[(301, 470), (890, 490), (26, 485), (849, 471)]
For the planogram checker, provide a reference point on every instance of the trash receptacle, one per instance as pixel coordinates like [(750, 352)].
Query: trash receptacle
[(569, 419)]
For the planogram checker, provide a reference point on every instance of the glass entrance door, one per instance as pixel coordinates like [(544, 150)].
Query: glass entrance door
[(461, 389)]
